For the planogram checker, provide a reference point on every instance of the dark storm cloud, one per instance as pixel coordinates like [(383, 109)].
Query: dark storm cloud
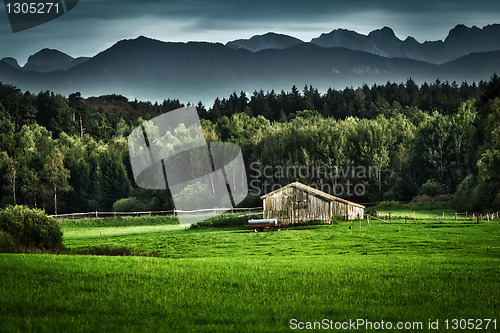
[(424, 18), (223, 10)]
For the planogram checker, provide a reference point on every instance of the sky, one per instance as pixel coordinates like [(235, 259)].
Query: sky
[(95, 25)]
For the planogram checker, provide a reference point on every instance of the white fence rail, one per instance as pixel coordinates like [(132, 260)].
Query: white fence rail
[(173, 212)]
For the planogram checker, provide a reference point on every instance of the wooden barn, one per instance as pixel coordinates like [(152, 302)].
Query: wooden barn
[(297, 202)]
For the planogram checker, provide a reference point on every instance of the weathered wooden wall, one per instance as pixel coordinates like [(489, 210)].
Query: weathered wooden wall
[(356, 213), (292, 205)]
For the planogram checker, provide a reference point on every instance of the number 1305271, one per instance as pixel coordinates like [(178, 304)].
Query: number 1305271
[(470, 324), (32, 8)]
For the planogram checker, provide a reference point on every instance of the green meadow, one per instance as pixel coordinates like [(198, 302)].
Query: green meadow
[(220, 277)]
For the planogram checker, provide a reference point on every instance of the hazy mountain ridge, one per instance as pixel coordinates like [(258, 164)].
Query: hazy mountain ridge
[(47, 60), (153, 70), (460, 41), (11, 62), (267, 41)]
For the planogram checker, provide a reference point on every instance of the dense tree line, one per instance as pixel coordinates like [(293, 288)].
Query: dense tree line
[(363, 102), (385, 142)]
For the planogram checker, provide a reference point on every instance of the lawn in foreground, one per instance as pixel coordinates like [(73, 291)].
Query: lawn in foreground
[(86, 293), (234, 280)]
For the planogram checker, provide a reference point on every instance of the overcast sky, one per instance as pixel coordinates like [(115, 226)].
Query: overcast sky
[(94, 25)]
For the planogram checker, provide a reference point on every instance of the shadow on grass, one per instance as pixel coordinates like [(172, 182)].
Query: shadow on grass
[(123, 251), (106, 251)]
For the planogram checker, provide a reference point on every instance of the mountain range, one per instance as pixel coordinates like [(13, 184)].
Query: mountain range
[(460, 41), (149, 69), (47, 60)]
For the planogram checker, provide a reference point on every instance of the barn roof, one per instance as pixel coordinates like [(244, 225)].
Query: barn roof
[(313, 191)]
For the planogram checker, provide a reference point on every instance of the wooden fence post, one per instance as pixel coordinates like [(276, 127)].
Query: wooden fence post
[(390, 217), (443, 216), (455, 216)]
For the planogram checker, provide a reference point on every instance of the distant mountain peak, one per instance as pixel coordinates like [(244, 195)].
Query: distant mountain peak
[(11, 62), (385, 32), (458, 30), (49, 60), (48, 57), (139, 39), (461, 31), (412, 40), (270, 40)]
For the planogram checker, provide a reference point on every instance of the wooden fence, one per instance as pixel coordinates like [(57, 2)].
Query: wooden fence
[(388, 216), (173, 212), (444, 216)]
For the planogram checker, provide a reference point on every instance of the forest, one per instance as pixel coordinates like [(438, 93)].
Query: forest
[(437, 141)]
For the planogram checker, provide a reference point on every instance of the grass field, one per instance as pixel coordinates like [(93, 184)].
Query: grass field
[(232, 279)]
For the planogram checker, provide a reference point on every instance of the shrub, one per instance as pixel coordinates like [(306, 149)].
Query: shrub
[(427, 205), (462, 199), (389, 205), (7, 244), (443, 197), (23, 227), (421, 198), (127, 205), (432, 188), (192, 195)]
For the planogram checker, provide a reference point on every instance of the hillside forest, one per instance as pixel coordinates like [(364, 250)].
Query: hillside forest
[(437, 140)]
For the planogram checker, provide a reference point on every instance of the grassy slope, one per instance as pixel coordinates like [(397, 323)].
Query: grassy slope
[(235, 280)]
